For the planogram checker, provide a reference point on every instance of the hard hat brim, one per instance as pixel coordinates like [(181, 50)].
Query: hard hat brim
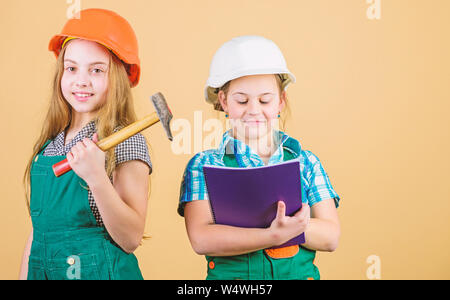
[(133, 61)]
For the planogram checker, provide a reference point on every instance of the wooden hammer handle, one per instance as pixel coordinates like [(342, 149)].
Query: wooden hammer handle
[(116, 138)]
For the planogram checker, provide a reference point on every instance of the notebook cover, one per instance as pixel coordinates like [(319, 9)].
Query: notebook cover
[(247, 197)]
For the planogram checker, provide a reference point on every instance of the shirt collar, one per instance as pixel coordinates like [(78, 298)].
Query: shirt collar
[(247, 157), (86, 132)]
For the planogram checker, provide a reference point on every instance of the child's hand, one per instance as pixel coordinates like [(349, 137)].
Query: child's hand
[(87, 159), (284, 228)]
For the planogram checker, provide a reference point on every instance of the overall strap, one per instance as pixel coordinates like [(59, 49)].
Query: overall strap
[(230, 161), (44, 146), (287, 155)]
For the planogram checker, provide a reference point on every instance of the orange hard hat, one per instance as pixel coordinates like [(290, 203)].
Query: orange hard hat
[(107, 28)]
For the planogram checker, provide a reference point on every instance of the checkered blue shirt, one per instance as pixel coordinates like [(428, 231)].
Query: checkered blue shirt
[(315, 181)]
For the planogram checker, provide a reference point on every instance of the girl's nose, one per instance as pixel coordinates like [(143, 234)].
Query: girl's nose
[(253, 107), (82, 79)]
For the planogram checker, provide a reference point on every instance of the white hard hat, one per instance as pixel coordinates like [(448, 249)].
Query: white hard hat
[(243, 56)]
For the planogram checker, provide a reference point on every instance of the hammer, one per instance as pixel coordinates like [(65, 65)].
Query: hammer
[(162, 114)]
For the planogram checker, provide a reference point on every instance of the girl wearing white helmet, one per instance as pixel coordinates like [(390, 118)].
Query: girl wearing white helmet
[(248, 81)]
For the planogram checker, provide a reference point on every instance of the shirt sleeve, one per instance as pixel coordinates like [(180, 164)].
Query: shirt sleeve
[(133, 148), (193, 186), (317, 184)]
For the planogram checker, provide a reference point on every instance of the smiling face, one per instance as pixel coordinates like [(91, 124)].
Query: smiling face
[(84, 82), (253, 104)]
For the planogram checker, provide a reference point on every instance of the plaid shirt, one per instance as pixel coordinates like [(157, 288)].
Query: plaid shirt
[(134, 148), (315, 181)]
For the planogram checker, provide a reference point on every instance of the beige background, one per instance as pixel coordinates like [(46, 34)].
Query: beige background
[(371, 101)]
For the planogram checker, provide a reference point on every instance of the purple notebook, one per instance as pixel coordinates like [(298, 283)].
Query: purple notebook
[(247, 197)]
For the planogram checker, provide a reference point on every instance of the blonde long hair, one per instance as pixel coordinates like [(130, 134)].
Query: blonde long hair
[(117, 111)]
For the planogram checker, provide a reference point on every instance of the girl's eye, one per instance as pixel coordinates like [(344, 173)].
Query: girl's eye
[(70, 69), (265, 100), (97, 70), (241, 100)]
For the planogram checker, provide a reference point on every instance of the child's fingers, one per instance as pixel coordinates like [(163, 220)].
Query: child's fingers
[(69, 157), (281, 210), (88, 143), (81, 148), (72, 157), (95, 137), (75, 152), (78, 148)]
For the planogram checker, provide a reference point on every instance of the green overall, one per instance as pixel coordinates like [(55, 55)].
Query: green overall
[(259, 265), (67, 243)]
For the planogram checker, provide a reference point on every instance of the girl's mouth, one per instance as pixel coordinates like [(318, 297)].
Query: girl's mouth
[(254, 122), (82, 96)]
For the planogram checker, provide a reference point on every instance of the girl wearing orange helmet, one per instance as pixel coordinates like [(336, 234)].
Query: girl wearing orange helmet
[(87, 223)]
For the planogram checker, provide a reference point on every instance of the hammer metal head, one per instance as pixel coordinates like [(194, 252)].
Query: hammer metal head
[(163, 112)]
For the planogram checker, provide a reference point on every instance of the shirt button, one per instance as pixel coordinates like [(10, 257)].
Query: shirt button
[(70, 261)]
